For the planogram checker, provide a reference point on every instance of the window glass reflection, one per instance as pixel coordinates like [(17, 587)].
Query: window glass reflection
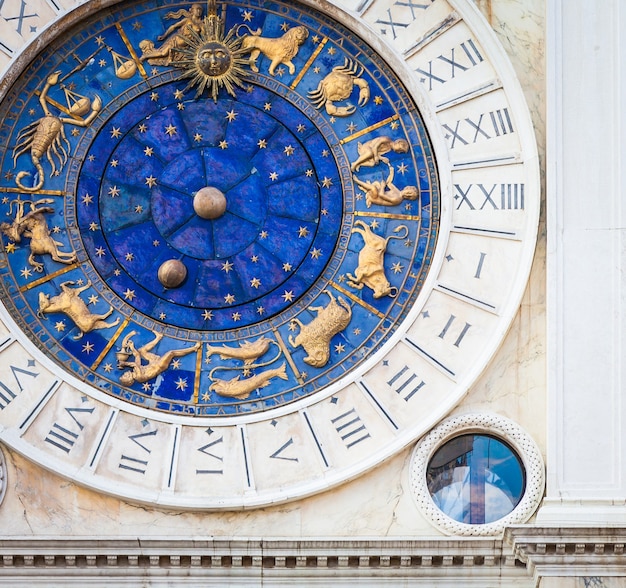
[(476, 479)]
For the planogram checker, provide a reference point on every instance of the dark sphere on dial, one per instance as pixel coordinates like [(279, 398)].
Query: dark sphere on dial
[(209, 203), (172, 273)]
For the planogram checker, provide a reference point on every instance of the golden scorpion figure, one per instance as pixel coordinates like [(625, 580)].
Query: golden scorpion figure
[(46, 136)]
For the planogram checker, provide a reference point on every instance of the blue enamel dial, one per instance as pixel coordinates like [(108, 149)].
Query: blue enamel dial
[(239, 265), (321, 163)]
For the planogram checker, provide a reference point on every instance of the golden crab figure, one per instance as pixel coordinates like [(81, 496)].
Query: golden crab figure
[(338, 85), (212, 60)]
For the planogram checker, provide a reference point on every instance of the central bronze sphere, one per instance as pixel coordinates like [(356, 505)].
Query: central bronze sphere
[(209, 203)]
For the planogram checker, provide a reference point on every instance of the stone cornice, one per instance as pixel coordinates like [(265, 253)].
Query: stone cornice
[(569, 551), (370, 561), (525, 550)]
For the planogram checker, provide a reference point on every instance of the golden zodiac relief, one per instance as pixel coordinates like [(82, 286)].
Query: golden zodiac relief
[(199, 46), (315, 337), (175, 38), (33, 224), (372, 152), (241, 389), (280, 50), (69, 302), (125, 68), (337, 86), (371, 269), (46, 136), (385, 193), (155, 364), (247, 351)]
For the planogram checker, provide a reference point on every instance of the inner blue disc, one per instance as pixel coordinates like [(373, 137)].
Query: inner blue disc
[(276, 236)]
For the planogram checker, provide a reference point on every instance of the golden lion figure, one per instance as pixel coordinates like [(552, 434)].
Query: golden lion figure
[(280, 50), (316, 335)]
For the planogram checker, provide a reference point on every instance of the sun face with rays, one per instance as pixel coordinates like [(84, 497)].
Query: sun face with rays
[(212, 60)]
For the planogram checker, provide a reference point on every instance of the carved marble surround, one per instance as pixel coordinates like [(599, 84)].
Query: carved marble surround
[(487, 424)]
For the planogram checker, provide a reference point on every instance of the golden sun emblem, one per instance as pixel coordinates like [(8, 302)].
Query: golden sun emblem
[(211, 59), (198, 45)]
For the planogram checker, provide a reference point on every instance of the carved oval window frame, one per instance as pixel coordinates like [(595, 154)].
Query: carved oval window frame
[(492, 425)]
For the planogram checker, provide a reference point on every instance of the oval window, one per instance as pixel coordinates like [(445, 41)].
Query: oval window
[(476, 479)]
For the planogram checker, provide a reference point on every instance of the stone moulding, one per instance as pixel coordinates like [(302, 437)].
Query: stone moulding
[(523, 552), (569, 552), (379, 562)]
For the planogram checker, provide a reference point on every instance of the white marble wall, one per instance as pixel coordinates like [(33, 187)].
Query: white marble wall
[(586, 188), (514, 385)]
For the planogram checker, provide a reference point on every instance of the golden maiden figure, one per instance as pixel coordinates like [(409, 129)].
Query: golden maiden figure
[(175, 37)]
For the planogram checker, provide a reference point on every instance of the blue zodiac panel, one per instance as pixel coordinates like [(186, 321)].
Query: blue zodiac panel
[(213, 209)]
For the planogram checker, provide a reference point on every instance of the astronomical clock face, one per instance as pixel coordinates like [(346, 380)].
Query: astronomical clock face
[(250, 250)]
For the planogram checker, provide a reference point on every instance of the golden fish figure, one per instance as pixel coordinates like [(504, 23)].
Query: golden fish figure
[(241, 389), (247, 351)]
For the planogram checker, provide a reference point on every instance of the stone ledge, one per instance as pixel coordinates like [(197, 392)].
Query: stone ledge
[(569, 551), (525, 555), (478, 562), (345, 552)]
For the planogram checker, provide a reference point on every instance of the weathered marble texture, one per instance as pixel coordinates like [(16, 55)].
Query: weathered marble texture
[(514, 384)]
